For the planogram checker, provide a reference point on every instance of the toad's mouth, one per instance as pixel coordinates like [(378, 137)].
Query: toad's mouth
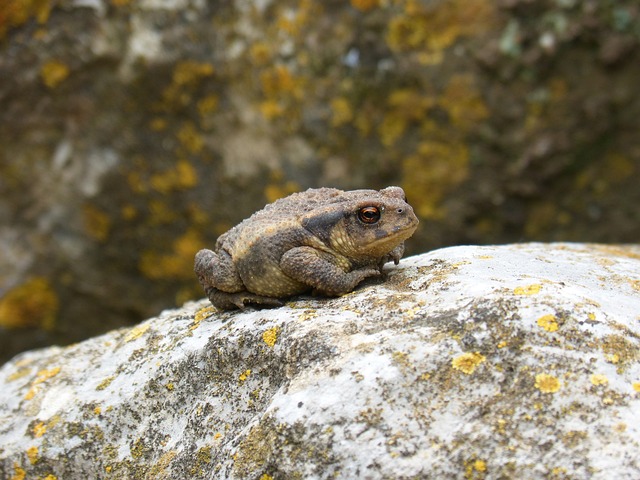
[(390, 239)]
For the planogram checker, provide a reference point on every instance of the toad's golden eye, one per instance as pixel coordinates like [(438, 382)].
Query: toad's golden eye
[(369, 215)]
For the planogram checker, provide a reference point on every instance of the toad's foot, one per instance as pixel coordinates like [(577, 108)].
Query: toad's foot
[(231, 301)]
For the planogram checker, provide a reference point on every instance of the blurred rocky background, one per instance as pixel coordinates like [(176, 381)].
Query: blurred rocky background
[(134, 132)]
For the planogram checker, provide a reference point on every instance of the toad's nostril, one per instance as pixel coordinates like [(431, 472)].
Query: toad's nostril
[(400, 210)]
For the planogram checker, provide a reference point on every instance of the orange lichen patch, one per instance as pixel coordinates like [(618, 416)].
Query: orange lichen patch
[(53, 73), (39, 429), (41, 377), (32, 454), (96, 222), (468, 362), (365, 5), (177, 264), (598, 379), (547, 383), (528, 289), (244, 375), (136, 332), (32, 304), (270, 336), (548, 322), (181, 176)]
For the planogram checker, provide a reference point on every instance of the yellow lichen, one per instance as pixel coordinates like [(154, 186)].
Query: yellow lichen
[(430, 28), (186, 76), (33, 304), (19, 474), (169, 386), (244, 375), (274, 191), (50, 477), (468, 362), (41, 377), (16, 12), (271, 109), (463, 103), (208, 104), (176, 264), (32, 454), (96, 222), (270, 336), (528, 289), (97, 410), (203, 313), (341, 112), (436, 168), (39, 429), (136, 332), (181, 176), (548, 322), (636, 386), (365, 5), (598, 379), (480, 465), (266, 476), (53, 73), (190, 138), (23, 372), (547, 383), (106, 382), (260, 53)]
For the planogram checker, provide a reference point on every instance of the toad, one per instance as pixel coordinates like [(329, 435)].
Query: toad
[(323, 240)]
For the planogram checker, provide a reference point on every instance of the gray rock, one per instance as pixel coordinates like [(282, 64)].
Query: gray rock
[(517, 361)]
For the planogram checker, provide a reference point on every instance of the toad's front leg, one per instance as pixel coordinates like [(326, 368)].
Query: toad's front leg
[(314, 268)]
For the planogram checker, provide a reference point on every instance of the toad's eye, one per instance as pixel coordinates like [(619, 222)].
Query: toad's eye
[(369, 215)]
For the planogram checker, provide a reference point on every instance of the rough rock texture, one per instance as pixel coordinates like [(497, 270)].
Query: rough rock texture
[(517, 361), (129, 127)]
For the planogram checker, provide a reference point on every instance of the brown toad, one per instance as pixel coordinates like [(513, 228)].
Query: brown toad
[(322, 240)]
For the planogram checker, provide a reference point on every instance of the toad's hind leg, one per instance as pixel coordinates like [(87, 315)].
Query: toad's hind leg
[(217, 270)]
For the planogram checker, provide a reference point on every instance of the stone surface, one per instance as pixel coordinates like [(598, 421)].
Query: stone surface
[(517, 361), (134, 132)]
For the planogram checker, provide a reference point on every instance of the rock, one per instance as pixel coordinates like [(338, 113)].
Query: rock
[(135, 132), (517, 361)]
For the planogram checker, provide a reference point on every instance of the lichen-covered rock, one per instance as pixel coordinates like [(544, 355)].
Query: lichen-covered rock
[(134, 132), (517, 361)]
